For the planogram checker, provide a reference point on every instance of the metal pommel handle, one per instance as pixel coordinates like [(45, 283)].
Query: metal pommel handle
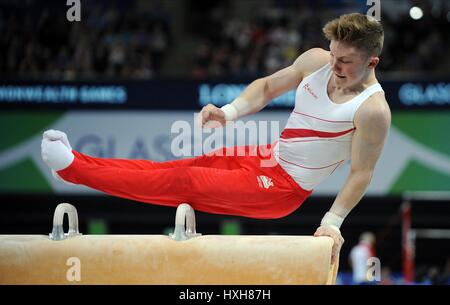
[(58, 219), (184, 223)]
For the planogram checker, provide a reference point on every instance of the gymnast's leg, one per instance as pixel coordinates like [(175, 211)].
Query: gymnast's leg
[(55, 135), (202, 161), (214, 190)]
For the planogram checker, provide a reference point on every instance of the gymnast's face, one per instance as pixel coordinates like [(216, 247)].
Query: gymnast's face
[(350, 65)]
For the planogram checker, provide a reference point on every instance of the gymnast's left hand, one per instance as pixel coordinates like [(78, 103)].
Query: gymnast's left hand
[(212, 117), (335, 234)]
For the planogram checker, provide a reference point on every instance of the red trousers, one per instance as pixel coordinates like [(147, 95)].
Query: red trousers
[(228, 184)]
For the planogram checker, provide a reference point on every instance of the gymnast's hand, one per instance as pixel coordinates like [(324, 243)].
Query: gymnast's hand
[(212, 117), (335, 234)]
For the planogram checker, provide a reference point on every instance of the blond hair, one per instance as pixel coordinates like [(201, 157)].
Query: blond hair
[(357, 30)]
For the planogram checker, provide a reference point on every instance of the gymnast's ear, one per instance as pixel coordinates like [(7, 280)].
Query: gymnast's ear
[(373, 62)]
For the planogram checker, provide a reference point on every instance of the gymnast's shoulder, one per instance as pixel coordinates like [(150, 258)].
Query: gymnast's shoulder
[(310, 61)]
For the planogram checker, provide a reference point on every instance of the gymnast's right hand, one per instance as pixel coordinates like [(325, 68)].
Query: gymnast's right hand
[(212, 117), (335, 234)]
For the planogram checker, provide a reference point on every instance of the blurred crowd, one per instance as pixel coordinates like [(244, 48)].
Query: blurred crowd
[(424, 275), (362, 264), (126, 39), (276, 35), (114, 39)]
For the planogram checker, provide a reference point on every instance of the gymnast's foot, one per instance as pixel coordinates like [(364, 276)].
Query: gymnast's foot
[(56, 151), (54, 135)]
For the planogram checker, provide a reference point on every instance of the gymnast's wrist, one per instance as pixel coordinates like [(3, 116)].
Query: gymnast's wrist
[(236, 109), (230, 112), (332, 220)]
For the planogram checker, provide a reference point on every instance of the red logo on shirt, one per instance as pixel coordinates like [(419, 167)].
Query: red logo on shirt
[(309, 90)]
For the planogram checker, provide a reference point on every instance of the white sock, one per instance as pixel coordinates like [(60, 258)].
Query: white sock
[(58, 135), (56, 154)]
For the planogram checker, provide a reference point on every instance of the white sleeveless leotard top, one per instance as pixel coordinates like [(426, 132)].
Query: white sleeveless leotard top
[(318, 135)]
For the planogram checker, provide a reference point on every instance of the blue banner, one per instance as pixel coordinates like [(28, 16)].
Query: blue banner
[(188, 94)]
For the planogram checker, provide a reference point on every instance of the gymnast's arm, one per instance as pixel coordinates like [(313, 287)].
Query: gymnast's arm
[(372, 121), (261, 91)]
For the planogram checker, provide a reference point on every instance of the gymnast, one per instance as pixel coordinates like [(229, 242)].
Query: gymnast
[(340, 114)]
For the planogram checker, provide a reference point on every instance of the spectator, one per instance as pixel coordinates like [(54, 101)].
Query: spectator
[(359, 257)]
